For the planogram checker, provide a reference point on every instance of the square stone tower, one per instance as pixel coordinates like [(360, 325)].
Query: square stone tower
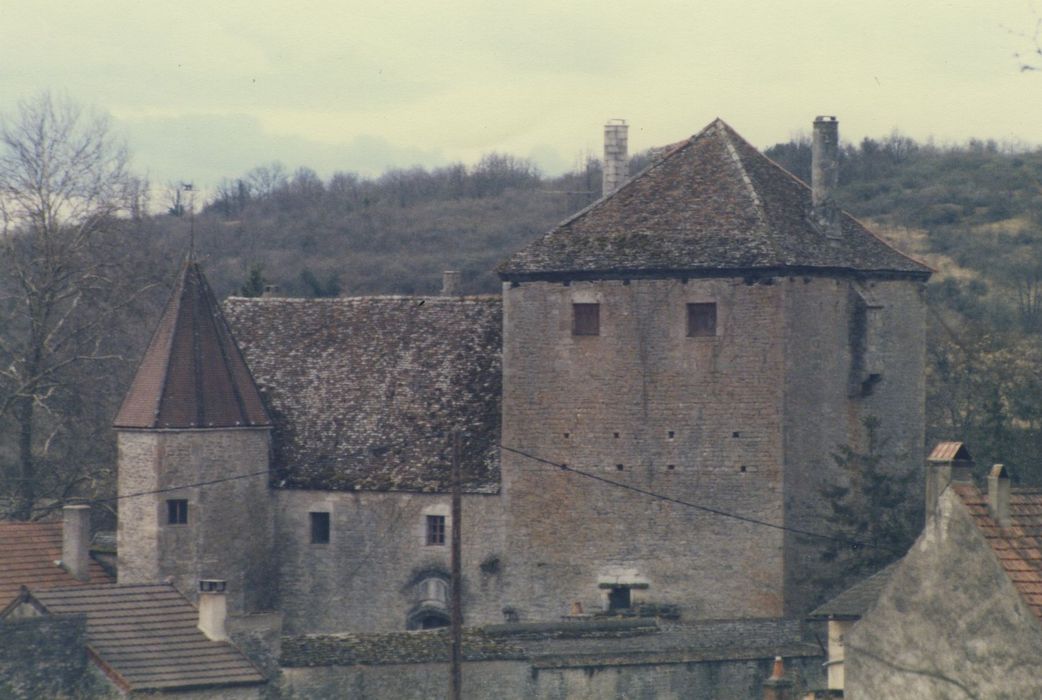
[(193, 439), (711, 332)]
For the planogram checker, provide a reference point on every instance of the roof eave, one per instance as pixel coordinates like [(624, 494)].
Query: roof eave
[(706, 272)]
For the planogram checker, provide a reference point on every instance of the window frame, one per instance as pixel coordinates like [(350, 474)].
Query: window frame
[(696, 326), (177, 511), (435, 530), (321, 527), (586, 318)]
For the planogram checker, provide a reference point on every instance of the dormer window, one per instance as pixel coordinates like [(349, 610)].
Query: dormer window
[(586, 319)]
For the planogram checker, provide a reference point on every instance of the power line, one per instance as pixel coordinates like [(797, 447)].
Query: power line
[(688, 504), (182, 486)]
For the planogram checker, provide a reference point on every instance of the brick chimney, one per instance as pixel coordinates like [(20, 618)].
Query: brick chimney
[(949, 462), (616, 155), (998, 495), (778, 687), (824, 176), (76, 540), (213, 609), (450, 283)]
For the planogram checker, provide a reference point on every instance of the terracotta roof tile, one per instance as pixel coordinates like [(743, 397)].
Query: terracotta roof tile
[(711, 205), (192, 374), (147, 639), (1019, 546), (28, 557), (365, 391)]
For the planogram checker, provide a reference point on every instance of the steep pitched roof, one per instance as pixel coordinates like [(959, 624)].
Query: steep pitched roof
[(192, 374), (365, 391), (29, 553), (712, 204), (1019, 546), (854, 602), (146, 637)]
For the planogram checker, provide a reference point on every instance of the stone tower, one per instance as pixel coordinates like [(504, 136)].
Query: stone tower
[(193, 438), (707, 333)]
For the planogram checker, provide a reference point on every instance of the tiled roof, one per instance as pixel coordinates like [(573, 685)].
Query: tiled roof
[(854, 602), (365, 391), (28, 556), (1019, 546), (146, 637), (192, 374), (949, 451), (710, 205)]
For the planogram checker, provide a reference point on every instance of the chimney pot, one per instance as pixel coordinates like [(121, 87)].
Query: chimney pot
[(824, 175), (616, 155), (76, 540), (949, 462), (450, 283), (778, 687), (213, 609), (998, 495)]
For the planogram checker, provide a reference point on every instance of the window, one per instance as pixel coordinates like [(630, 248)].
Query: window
[(177, 511), (701, 320), (319, 528), (586, 319), (619, 598), (435, 529)]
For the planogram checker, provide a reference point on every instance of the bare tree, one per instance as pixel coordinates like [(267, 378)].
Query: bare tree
[(67, 202)]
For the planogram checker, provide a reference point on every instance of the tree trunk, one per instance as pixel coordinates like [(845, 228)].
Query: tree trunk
[(26, 487)]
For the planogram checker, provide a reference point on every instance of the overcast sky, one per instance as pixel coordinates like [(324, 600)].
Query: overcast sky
[(206, 90)]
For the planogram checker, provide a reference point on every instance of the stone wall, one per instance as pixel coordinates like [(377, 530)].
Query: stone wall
[(43, 657), (367, 577), (949, 623), (230, 526), (697, 418), (520, 680), (838, 334)]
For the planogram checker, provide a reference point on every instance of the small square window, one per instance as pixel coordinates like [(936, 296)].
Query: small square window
[(435, 529), (701, 320), (586, 319), (177, 511), (319, 528)]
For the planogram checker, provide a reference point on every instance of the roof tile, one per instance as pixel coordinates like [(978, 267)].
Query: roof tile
[(29, 557)]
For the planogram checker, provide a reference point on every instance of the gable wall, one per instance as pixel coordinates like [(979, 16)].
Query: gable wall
[(643, 377), (948, 624)]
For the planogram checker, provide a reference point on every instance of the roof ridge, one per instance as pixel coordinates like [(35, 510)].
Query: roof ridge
[(761, 214)]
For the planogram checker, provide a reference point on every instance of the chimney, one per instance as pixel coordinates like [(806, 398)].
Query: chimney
[(824, 176), (76, 540), (616, 157), (270, 290), (777, 687), (998, 495), (213, 609), (450, 283), (949, 462)]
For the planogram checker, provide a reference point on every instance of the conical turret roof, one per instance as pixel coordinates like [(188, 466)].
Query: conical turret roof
[(709, 205), (192, 374)]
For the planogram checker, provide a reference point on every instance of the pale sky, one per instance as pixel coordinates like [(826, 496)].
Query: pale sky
[(206, 90)]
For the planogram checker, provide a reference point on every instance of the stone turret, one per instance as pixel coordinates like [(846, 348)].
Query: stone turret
[(193, 438)]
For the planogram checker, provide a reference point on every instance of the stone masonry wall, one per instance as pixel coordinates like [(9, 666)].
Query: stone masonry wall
[(699, 419), (230, 527), (825, 405), (949, 623), (367, 577), (519, 680)]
